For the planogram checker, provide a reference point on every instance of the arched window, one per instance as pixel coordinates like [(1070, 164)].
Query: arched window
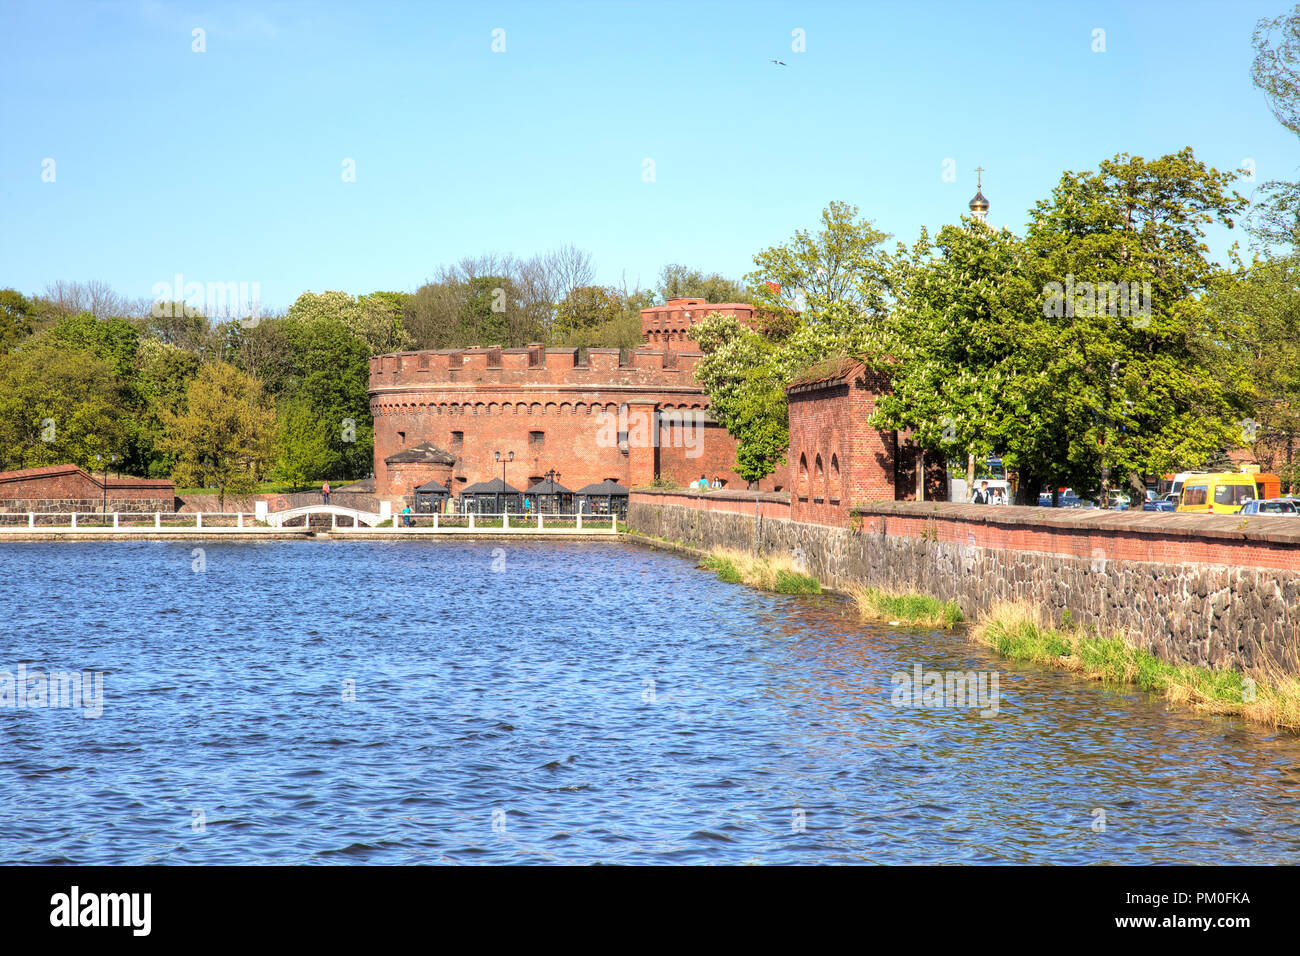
[(819, 478), (833, 488), (801, 487)]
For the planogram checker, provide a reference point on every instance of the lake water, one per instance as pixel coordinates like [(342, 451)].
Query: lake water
[(567, 703)]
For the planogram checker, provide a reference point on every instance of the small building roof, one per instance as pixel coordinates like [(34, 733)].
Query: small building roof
[(433, 488), (494, 487), (427, 453), (605, 487), (545, 487), (834, 370)]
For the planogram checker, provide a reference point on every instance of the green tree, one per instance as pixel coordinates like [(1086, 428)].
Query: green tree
[(1276, 72), (59, 405), (375, 319), (15, 318), (330, 374), (742, 372), (1084, 351), (302, 446), (844, 263), (1258, 315), (1146, 375), (962, 353), (113, 340), (818, 295), (223, 436), (584, 309), (162, 376)]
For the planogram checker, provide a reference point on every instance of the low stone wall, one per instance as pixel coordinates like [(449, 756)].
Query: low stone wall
[(1211, 590), (113, 503)]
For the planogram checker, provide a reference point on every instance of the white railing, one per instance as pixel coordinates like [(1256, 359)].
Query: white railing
[(128, 520), (504, 521), (235, 520)]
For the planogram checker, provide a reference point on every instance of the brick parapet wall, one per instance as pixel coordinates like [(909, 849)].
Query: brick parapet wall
[(1263, 541), (767, 504), (1190, 588)]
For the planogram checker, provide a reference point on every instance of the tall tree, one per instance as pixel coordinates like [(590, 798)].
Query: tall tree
[(1133, 230), (59, 405), (222, 437), (15, 318), (330, 373), (302, 446), (1276, 72), (745, 377), (844, 263), (1258, 315), (817, 295)]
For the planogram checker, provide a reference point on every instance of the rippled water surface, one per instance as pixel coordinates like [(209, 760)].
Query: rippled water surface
[(567, 703)]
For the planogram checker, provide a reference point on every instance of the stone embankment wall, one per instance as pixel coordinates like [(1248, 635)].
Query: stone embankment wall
[(1212, 590)]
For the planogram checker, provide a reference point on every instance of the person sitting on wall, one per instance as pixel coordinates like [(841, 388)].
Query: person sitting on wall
[(981, 495), (700, 485)]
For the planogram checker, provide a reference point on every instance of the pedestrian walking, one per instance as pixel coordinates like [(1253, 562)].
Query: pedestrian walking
[(325, 492)]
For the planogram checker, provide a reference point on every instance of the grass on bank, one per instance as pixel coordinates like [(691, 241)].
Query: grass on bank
[(776, 573), (919, 610), (1020, 631)]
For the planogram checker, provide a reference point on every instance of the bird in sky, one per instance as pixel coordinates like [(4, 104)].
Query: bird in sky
[(778, 63)]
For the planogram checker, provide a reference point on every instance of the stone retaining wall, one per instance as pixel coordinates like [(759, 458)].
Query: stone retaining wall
[(1209, 590)]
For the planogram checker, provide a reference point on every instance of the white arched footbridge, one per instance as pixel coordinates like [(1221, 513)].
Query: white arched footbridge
[(277, 519)]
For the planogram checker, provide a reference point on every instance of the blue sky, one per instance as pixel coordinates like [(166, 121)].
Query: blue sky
[(227, 165)]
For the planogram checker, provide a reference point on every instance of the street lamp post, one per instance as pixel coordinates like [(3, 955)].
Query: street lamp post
[(509, 456), (103, 507), (553, 476)]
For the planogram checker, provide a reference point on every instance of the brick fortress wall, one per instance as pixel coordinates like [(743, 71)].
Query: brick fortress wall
[(837, 460), (602, 418), (65, 488)]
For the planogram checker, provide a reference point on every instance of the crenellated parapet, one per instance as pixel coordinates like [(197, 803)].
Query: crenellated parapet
[(534, 366), (668, 326)]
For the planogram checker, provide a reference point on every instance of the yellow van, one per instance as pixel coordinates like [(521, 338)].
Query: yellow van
[(1219, 494)]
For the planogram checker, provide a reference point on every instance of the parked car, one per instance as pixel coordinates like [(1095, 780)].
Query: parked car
[(1066, 499), (1271, 506), (1160, 504)]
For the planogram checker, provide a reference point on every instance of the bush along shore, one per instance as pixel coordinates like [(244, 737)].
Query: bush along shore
[(780, 574), (1020, 631), (901, 607)]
